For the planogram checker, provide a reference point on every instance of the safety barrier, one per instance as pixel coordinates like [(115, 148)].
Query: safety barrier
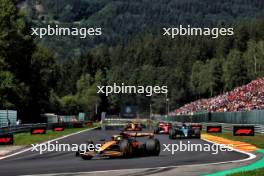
[(27, 127), (20, 128)]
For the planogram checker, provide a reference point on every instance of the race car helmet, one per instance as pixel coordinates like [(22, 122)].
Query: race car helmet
[(117, 137)]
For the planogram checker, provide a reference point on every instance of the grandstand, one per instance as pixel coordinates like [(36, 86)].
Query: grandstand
[(244, 98)]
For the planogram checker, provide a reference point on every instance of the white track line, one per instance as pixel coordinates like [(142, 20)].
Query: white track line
[(28, 149), (251, 156)]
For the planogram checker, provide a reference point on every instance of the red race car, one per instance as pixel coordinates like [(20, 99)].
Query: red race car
[(163, 128)]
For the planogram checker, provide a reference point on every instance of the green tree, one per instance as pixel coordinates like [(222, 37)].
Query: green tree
[(214, 76), (254, 59), (29, 70), (87, 92), (6, 84), (70, 105), (196, 77), (234, 70)]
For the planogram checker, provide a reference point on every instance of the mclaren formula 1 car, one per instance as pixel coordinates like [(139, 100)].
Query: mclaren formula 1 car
[(125, 145), (163, 127), (184, 131), (133, 126)]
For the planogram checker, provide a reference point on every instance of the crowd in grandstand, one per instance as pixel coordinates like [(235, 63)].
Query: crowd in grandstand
[(244, 98)]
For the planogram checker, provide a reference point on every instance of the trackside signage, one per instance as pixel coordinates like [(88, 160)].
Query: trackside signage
[(214, 129), (7, 139), (58, 127), (197, 126), (243, 130), (39, 130)]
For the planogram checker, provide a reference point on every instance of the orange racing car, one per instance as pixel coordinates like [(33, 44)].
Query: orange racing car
[(125, 145), (133, 126)]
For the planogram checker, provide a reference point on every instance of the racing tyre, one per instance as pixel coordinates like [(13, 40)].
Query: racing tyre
[(78, 153), (197, 133), (172, 133), (156, 130), (86, 157), (153, 147), (126, 148)]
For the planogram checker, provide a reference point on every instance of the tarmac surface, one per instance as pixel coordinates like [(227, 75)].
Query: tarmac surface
[(32, 163)]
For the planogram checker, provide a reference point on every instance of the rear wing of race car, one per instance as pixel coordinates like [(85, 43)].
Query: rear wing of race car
[(164, 122)]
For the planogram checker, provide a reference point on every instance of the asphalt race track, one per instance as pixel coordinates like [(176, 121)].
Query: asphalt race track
[(65, 162)]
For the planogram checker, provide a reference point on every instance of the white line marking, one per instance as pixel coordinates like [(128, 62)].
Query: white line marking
[(251, 156), (59, 138)]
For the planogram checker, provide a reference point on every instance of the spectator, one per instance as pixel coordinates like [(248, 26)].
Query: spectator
[(244, 98)]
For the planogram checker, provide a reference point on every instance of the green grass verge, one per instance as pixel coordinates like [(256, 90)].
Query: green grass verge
[(256, 140), (23, 139), (257, 172)]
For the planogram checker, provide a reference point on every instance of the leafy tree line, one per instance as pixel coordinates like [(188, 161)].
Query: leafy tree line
[(27, 70), (191, 67), (30, 74), (32, 80), (122, 21)]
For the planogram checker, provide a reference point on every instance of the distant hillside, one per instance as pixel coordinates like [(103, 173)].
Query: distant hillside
[(122, 20)]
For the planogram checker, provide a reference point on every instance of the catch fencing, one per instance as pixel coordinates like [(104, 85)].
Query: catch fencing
[(8, 118)]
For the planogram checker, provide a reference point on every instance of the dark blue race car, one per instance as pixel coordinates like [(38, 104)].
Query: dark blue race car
[(184, 131)]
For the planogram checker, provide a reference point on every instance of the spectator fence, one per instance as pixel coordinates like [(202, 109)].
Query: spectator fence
[(240, 117)]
